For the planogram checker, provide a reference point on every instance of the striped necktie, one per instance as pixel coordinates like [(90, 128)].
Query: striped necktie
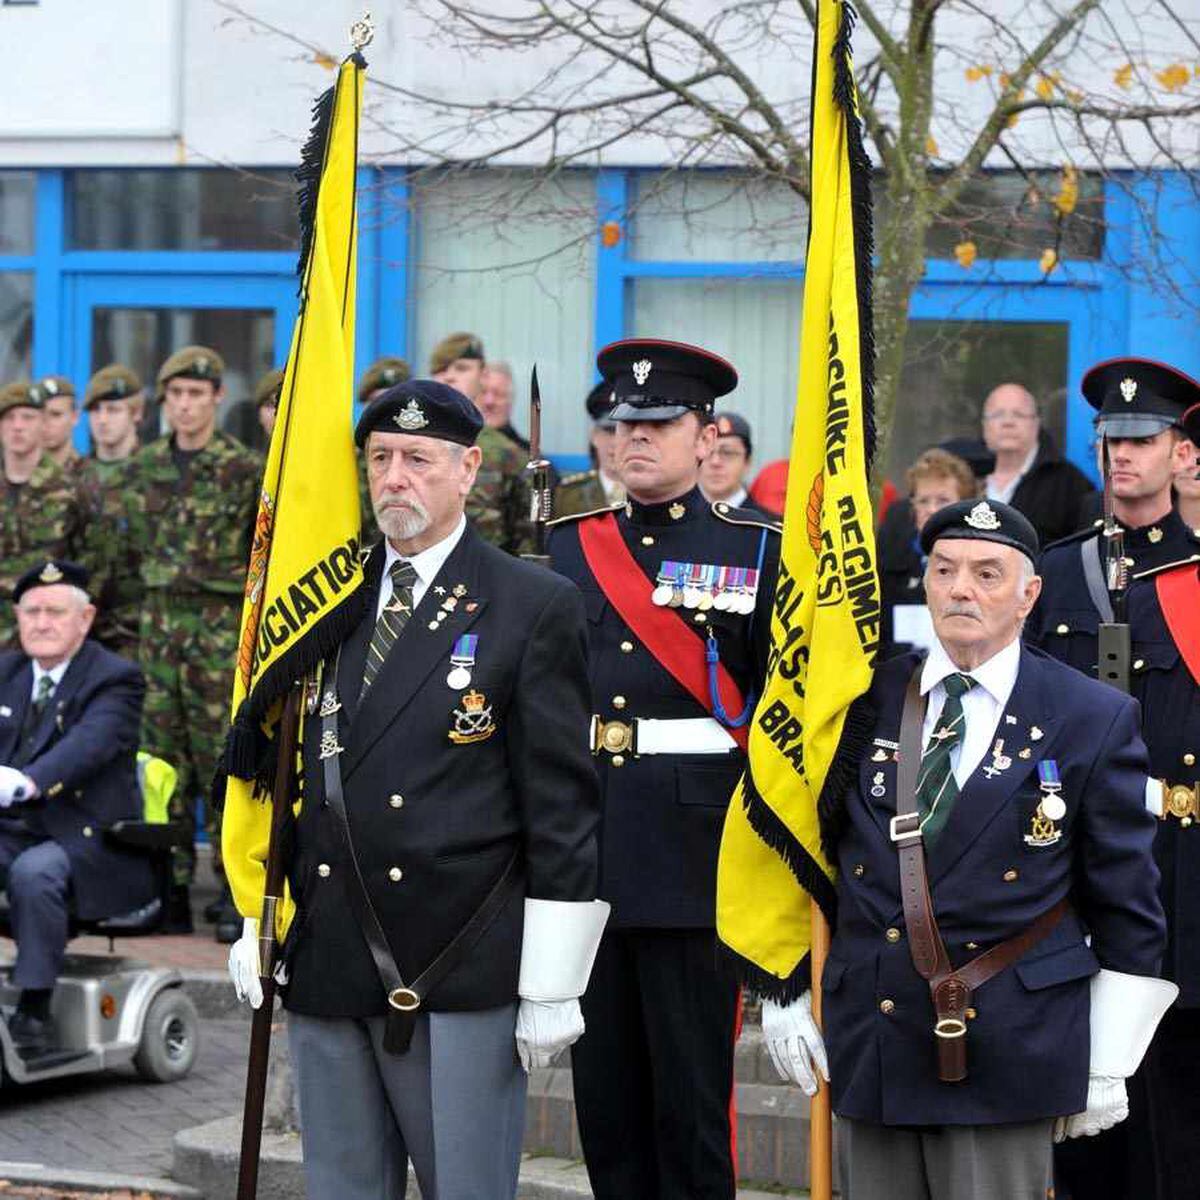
[(391, 620), (42, 694), (937, 789)]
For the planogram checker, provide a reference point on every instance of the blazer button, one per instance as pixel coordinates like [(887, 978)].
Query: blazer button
[(396, 800), (323, 870), (395, 874), (87, 831), (970, 1014), (626, 647), (700, 618), (1138, 663), (647, 540), (618, 760), (1062, 629), (887, 1007), (1189, 760), (1009, 876), (892, 935), (620, 702)]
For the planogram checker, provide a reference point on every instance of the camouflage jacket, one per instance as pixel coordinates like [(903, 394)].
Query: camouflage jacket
[(191, 530), (109, 550), (498, 505), (41, 518), (579, 493)]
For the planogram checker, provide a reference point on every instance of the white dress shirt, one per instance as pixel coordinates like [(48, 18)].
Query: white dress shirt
[(427, 563), (55, 673), (983, 705)]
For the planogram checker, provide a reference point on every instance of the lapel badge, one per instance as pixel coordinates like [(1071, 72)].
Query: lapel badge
[(459, 590), (471, 606), (1026, 753), (439, 590), (880, 755), (1009, 719), (329, 705), (329, 744), (462, 659), (473, 722), (396, 605), (450, 603), (1043, 830), (877, 788), (676, 510), (1000, 760), (1035, 734)]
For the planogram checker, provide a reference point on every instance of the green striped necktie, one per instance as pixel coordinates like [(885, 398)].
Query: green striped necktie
[(936, 787), (391, 620)]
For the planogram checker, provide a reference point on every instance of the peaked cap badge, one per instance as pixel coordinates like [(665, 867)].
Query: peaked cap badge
[(411, 417), (1128, 389), (982, 516), (641, 370)]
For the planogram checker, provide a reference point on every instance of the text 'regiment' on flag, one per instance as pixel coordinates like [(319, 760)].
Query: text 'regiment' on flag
[(825, 621), (303, 582)]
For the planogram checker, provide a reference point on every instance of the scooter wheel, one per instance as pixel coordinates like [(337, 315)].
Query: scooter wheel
[(170, 1037)]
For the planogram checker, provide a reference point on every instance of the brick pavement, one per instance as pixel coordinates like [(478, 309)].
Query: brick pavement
[(115, 1122)]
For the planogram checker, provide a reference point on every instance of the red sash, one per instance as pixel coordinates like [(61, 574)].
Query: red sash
[(1179, 597), (662, 630)]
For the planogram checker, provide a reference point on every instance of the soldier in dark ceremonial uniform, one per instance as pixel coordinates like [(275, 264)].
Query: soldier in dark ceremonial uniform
[(446, 766), (586, 491), (678, 593), (1141, 404)]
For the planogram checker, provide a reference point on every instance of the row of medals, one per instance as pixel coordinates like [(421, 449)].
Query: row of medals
[(726, 589)]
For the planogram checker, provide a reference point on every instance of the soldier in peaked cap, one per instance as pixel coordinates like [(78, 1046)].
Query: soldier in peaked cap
[(43, 516), (1141, 416), (190, 500), (991, 981), (668, 580), (465, 863), (586, 491)]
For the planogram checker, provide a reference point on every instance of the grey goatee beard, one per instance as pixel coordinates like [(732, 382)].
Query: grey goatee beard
[(401, 520)]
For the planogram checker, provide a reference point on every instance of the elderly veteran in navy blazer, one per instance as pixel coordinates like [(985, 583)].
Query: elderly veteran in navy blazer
[(444, 862), (992, 977), (69, 718)]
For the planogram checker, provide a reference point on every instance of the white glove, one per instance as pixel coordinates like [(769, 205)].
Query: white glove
[(1107, 1105), (794, 1042), (15, 786), (243, 965), (545, 1028)]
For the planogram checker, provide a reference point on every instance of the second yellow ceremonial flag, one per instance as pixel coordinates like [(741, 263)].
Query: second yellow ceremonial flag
[(825, 622), (305, 568)]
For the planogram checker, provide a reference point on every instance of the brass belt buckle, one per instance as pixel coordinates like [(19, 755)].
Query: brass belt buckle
[(404, 999), (614, 736), (1181, 800)]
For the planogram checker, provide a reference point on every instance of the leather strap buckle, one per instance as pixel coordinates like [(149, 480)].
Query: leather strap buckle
[(905, 827), (404, 999), (615, 737)]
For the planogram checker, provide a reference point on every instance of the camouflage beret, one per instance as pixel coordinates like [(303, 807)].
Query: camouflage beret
[(21, 394), (455, 346), (55, 385), (113, 382), (192, 362), (267, 389), (384, 372)]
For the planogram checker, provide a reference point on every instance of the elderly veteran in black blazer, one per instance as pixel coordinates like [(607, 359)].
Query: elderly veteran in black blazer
[(447, 838), (69, 718)]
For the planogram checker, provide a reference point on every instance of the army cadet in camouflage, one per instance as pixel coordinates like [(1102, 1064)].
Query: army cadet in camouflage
[(191, 500), (382, 374), (58, 420), (42, 517), (587, 491), (113, 403), (498, 505)]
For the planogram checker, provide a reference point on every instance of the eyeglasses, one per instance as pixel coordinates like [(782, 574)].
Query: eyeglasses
[(729, 454), (1005, 415)]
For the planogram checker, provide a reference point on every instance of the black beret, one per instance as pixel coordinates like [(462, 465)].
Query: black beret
[(599, 402), (733, 425), (654, 380), (424, 407), (1138, 397), (53, 570), (973, 452), (982, 520)]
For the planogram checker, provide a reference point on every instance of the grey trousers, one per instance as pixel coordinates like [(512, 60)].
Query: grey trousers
[(955, 1162), (454, 1104), (38, 882)]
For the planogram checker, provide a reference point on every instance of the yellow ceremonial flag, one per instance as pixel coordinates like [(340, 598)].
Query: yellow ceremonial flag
[(305, 570), (825, 622)]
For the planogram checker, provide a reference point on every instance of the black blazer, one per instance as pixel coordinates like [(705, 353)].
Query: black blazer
[(83, 757), (435, 820)]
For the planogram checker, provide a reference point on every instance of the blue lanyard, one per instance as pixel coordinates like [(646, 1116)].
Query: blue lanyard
[(712, 656)]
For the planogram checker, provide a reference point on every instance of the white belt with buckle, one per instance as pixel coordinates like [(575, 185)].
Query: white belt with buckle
[(649, 735)]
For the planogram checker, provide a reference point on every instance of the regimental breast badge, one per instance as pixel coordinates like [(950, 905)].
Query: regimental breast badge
[(982, 516), (1043, 826), (641, 371), (1128, 389), (411, 417), (473, 722), (329, 744)]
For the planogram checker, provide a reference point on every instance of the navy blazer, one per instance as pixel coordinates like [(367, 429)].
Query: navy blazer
[(434, 820), (1028, 1042), (83, 757)]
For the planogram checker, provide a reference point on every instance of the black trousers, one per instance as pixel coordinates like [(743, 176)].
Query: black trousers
[(1155, 1153), (654, 1071)]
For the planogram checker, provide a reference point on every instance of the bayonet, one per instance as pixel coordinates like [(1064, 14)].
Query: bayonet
[(538, 469)]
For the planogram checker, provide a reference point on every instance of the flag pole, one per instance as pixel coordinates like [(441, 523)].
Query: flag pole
[(820, 1113), (260, 1028)]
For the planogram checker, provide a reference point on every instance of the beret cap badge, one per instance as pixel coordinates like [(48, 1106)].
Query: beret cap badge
[(50, 574), (982, 516), (411, 417), (641, 371), (1128, 389)]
